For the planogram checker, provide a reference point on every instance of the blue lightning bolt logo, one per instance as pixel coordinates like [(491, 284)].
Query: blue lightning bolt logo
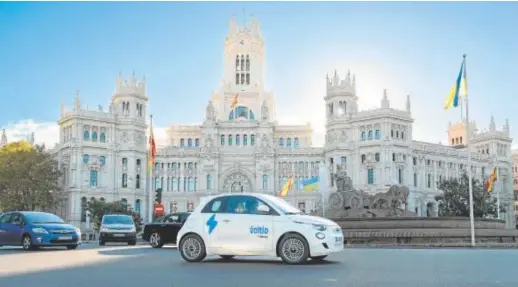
[(212, 223)]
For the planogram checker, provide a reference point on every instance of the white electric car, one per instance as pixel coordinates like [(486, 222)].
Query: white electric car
[(252, 224)]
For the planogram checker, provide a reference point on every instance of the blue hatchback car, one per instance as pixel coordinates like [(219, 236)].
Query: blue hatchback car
[(32, 229)]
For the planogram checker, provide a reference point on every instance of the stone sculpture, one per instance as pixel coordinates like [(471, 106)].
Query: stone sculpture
[(349, 203)]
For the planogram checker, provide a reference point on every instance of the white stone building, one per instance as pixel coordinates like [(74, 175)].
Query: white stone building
[(103, 153)]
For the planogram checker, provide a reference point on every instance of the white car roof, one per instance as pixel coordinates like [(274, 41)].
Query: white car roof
[(210, 197)]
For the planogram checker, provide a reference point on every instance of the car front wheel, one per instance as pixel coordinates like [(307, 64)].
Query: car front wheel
[(27, 243), (294, 249), (192, 248), (155, 240)]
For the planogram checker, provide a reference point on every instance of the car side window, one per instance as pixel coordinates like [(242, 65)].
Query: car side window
[(246, 205), (173, 218), (214, 206), (5, 218), (16, 219)]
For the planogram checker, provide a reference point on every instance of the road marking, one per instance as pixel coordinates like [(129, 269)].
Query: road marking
[(331, 280)]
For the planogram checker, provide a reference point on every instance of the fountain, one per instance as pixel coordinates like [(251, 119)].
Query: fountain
[(384, 219)]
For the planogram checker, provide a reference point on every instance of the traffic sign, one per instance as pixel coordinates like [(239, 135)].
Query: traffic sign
[(159, 209)]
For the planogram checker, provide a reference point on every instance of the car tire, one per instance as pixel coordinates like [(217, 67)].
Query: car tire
[(293, 249), (226, 257), (27, 243), (133, 242), (72, 247), (155, 240), (319, 258), (102, 243), (192, 248)]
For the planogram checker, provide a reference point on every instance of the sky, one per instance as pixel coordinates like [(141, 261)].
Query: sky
[(51, 50)]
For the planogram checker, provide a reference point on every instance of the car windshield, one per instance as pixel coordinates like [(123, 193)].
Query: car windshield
[(34, 218), (117, 219), (283, 205)]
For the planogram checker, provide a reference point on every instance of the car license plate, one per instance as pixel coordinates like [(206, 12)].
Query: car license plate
[(118, 235), (65, 238)]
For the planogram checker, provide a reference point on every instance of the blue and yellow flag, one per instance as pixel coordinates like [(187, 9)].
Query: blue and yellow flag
[(459, 88), (311, 184), (287, 187)]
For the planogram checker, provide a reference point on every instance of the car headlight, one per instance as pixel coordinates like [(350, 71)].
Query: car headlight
[(78, 231), (104, 229), (40, 230), (320, 227), (133, 229)]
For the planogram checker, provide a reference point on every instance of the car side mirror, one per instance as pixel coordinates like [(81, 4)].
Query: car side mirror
[(263, 209)]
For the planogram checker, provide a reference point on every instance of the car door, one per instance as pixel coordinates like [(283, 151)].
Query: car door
[(244, 230), (14, 229), (6, 217), (170, 227), (212, 219)]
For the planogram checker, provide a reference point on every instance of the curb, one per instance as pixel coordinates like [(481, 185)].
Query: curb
[(433, 246)]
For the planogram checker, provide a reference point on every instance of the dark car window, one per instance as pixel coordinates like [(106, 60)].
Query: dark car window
[(32, 218), (172, 218), (214, 206), (16, 219), (118, 219), (160, 219), (5, 218), (241, 204), (184, 216)]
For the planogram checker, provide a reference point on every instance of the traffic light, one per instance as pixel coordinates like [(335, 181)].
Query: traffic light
[(158, 195)]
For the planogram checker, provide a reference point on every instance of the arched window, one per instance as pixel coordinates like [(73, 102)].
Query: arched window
[(247, 63), (237, 64), (222, 140), (265, 182), (252, 139), (377, 156), (370, 135), (238, 140), (102, 160), (245, 139), (182, 142), (281, 142), (94, 136), (209, 182), (252, 116), (197, 142), (363, 136), (102, 199), (137, 206), (229, 139), (102, 138), (124, 203), (378, 134), (189, 142), (288, 142), (296, 142), (85, 158), (124, 161), (137, 181), (86, 135), (363, 158), (84, 203), (242, 63), (190, 165)]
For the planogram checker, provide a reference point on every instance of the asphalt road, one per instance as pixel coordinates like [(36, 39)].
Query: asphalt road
[(142, 266)]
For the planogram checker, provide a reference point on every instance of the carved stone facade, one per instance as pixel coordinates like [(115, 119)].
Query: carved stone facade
[(374, 147)]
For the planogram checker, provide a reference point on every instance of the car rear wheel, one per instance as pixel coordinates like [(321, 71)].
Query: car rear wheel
[(27, 243), (192, 248), (319, 258), (155, 240), (294, 249), (72, 247)]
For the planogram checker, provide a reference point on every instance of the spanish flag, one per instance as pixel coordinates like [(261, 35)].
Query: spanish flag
[(151, 154), (489, 184), (234, 101), (459, 88), (287, 187)]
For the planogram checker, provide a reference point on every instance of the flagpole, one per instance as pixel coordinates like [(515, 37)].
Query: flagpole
[(498, 193), (150, 176), (470, 184)]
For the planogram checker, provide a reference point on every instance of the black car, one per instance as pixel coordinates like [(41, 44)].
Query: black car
[(164, 229)]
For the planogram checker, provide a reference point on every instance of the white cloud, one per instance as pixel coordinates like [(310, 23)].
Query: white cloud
[(48, 132), (44, 132)]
